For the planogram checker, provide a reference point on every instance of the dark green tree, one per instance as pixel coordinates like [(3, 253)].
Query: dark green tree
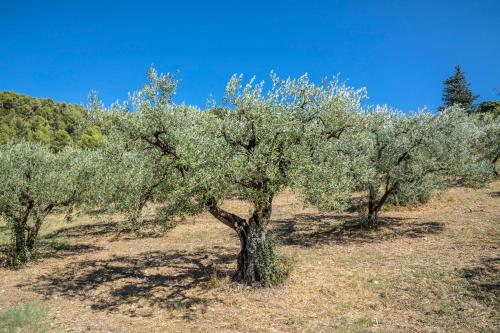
[(457, 91), (491, 108)]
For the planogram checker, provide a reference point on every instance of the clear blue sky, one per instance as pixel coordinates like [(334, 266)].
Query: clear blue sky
[(400, 50)]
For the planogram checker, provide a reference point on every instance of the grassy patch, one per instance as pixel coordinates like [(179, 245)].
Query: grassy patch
[(28, 317)]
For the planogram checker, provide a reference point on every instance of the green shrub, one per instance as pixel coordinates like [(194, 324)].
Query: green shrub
[(275, 269)]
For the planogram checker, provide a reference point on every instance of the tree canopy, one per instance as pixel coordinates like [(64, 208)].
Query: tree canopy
[(489, 108)]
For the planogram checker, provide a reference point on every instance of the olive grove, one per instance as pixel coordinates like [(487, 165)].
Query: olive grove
[(314, 139)]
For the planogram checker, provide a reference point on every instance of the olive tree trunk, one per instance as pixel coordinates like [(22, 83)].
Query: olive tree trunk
[(375, 203), (256, 263), (256, 259), (373, 207), (25, 237), (19, 253), (494, 162)]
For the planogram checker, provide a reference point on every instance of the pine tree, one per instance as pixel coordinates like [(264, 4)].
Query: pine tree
[(457, 91)]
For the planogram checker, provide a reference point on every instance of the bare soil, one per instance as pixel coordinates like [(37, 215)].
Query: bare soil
[(433, 268)]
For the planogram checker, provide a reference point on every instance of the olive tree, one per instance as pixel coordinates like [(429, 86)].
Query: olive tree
[(414, 154), (253, 145), (33, 182), (489, 144), (127, 180), (130, 175)]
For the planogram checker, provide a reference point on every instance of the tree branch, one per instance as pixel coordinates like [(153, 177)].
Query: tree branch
[(231, 220)]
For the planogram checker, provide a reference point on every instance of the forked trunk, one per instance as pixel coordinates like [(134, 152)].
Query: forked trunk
[(375, 203), (25, 238), (256, 260)]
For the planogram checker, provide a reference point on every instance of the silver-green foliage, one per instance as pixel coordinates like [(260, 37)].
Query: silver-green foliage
[(257, 142), (295, 134), (489, 143), (313, 139), (132, 174), (129, 179), (417, 153), (33, 182)]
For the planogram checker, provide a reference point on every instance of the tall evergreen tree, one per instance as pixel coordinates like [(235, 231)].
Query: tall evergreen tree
[(457, 91)]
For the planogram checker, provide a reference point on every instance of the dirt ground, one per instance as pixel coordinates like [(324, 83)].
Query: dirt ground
[(433, 268)]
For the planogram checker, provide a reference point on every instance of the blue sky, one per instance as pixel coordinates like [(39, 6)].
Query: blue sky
[(400, 50)]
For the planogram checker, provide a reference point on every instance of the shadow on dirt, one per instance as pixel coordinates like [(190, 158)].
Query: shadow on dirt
[(52, 249), (483, 280), (106, 229), (134, 285), (495, 194), (61, 249), (314, 230)]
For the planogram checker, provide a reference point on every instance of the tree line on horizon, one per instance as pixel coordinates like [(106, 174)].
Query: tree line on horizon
[(317, 140)]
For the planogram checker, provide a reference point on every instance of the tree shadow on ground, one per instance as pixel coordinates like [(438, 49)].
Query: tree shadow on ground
[(48, 247), (135, 285), (483, 280), (357, 203), (52, 249), (61, 249), (148, 229), (313, 230), (495, 194)]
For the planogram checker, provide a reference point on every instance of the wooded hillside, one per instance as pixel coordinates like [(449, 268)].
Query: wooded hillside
[(43, 120)]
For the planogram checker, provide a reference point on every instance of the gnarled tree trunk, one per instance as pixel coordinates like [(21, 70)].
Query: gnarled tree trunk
[(19, 253), (25, 236), (256, 257), (375, 203), (256, 260)]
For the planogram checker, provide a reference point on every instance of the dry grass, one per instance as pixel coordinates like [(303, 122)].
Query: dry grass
[(428, 269)]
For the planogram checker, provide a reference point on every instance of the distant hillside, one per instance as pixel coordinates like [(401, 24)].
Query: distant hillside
[(43, 120)]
